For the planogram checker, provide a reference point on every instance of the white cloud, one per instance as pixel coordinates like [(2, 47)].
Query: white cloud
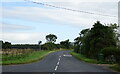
[(28, 38), (59, 16), (14, 27), (75, 1), (64, 16)]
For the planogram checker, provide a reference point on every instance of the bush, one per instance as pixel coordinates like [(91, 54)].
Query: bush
[(49, 46), (111, 52)]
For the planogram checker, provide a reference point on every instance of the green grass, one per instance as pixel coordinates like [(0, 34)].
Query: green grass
[(115, 67), (25, 58), (83, 58)]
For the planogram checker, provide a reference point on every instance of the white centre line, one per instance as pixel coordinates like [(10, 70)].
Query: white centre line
[(58, 63), (56, 68), (59, 59)]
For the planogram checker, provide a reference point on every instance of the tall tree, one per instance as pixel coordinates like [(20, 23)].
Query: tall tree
[(97, 38), (65, 44), (51, 38)]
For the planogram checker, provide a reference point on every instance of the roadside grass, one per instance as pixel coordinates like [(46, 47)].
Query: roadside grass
[(85, 59), (25, 58), (115, 67), (82, 58)]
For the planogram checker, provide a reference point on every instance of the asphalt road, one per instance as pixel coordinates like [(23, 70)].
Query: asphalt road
[(60, 61)]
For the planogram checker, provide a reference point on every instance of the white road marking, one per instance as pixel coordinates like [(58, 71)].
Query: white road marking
[(59, 59), (56, 68), (68, 55), (58, 63)]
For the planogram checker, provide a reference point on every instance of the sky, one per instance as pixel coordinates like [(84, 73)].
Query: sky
[(24, 22)]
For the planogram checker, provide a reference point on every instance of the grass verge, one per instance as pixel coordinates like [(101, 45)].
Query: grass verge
[(115, 67), (82, 58), (25, 58)]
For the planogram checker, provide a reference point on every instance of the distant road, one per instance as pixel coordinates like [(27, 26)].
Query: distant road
[(60, 61)]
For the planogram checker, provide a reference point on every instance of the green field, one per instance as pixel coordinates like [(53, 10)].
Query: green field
[(25, 58)]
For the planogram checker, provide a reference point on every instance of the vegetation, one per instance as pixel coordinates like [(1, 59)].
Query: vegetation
[(111, 54), (92, 41), (22, 56), (49, 46), (65, 44), (51, 38), (83, 58), (5, 45), (116, 67), (25, 46), (98, 45)]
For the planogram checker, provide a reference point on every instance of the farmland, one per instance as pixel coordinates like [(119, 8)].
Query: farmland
[(22, 56)]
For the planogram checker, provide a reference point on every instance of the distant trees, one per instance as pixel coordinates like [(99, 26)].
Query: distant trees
[(92, 41), (6, 45), (51, 38), (65, 44), (25, 46), (39, 43), (50, 45)]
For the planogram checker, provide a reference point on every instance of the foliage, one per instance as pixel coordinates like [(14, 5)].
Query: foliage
[(112, 52), (25, 46), (6, 45), (91, 41), (83, 58), (65, 44), (51, 38), (23, 58), (116, 67), (49, 46)]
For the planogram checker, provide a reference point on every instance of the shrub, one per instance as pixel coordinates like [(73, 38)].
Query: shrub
[(111, 52), (49, 46)]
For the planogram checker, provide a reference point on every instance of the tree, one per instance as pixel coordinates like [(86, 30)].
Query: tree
[(51, 38), (6, 45), (78, 40), (97, 38), (49, 46), (100, 37), (65, 44), (39, 44)]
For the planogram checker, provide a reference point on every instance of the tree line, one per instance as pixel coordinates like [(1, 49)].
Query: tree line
[(99, 40), (49, 45)]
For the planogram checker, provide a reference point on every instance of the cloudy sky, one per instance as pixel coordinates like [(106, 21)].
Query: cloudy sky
[(24, 22)]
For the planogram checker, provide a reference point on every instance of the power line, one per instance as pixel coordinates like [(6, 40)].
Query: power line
[(69, 9)]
